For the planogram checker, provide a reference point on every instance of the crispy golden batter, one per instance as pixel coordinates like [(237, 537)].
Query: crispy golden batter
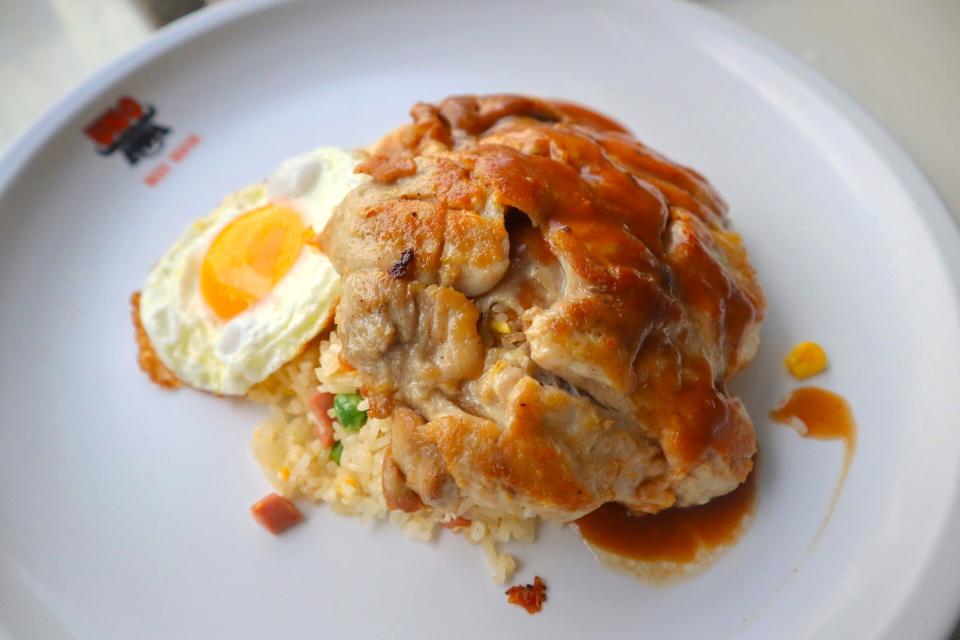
[(570, 307)]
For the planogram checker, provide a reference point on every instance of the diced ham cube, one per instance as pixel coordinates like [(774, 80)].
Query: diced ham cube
[(456, 523), (320, 405), (276, 513)]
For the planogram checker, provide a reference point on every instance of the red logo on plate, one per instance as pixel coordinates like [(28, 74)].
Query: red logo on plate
[(129, 127)]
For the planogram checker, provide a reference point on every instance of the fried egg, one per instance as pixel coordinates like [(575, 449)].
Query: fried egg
[(242, 290)]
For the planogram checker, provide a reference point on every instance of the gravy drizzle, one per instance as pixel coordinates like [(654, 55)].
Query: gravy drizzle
[(680, 536), (822, 415)]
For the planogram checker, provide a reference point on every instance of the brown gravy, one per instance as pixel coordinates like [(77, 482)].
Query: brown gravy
[(678, 535), (820, 414), (682, 535), (823, 415), (604, 205)]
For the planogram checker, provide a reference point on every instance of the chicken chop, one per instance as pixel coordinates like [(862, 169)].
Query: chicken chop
[(549, 311)]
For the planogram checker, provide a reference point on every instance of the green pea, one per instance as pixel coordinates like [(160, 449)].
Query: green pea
[(349, 417), (335, 451)]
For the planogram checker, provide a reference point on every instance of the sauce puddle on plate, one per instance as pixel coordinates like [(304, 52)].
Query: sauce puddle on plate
[(822, 415), (673, 543)]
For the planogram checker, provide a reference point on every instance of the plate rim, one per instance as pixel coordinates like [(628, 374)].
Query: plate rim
[(932, 603)]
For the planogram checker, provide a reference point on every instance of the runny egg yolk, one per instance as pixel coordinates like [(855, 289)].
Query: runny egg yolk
[(249, 257)]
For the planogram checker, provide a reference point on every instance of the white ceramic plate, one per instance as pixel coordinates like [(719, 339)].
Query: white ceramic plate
[(123, 508)]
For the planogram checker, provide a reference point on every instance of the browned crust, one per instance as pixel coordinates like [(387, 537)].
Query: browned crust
[(146, 356), (666, 308), (396, 493), (386, 169), (529, 596)]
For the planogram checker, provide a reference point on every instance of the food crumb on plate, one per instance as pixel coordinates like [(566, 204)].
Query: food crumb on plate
[(529, 596), (276, 513)]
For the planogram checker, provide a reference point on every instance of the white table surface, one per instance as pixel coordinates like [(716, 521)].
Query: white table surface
[(899, 58)]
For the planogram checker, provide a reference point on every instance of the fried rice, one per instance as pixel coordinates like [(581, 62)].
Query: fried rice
[(299, 467)]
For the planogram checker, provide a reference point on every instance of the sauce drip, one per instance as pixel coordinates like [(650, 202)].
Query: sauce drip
[(683, 535), (818, 413), (822, 415)]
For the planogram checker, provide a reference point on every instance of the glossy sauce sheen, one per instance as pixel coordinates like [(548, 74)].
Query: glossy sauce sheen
[(603, 202), (820, 414), (678, 535), (644, 303)]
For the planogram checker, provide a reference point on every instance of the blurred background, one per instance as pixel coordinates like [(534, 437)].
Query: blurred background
[(899, 58)]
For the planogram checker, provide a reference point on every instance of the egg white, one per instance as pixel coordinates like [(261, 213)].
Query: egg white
[(229, 357)]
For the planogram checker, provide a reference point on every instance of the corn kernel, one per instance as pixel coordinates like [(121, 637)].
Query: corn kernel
[(347, 486), (805, 360), (501, 327), (284, 473)]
